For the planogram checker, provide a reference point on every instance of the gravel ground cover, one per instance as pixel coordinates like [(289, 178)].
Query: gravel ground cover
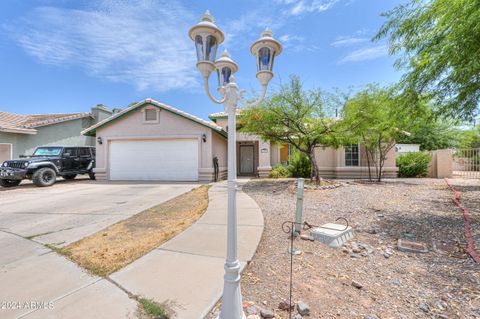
[(369, 277)]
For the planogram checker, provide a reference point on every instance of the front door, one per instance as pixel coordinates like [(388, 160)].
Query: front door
[(246, 160)]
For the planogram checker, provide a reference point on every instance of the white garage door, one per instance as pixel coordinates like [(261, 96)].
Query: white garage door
[(162, 160)]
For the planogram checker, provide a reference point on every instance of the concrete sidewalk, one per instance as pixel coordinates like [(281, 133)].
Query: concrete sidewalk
[(35, 282), (187, 271)]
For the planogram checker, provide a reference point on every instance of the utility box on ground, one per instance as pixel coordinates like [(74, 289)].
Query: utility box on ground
[(333, 235)]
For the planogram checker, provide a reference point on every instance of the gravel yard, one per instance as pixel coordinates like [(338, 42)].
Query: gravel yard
[(443, 283)]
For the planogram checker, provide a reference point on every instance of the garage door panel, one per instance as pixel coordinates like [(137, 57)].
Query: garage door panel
[(166, 160)]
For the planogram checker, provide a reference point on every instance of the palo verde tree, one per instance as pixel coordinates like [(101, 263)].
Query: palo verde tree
[(439, 43), (294, 116), (374, 119)]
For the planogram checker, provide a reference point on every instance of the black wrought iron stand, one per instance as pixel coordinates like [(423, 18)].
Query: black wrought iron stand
[(288, 227)]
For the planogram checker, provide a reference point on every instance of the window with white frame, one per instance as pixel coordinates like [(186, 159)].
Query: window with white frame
[(352, 155), (150, 115)]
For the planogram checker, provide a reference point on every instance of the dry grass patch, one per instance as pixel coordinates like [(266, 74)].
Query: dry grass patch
[(119, 244)]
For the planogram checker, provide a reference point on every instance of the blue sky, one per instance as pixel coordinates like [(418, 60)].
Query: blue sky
[(68, 55)]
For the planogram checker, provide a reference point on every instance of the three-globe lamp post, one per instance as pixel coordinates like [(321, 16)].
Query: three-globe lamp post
[(207, 37)]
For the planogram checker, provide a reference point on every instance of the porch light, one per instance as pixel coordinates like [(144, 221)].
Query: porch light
[(207, 37), (225, 68), (266, 48)]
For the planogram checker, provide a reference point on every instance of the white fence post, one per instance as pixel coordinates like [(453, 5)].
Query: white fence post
[(298, 215)]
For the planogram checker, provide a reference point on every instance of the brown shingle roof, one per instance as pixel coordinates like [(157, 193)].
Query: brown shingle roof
[(26, 124)]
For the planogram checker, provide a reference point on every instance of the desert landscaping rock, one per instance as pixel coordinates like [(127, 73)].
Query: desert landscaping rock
[(303, 309), (425, 307), (252, 310), (370, 317), (356, 284), (286, 305), (411, 246), (397, 285), (267, 313)]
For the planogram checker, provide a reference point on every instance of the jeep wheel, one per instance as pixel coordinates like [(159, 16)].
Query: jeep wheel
[(44, 177), (72, 176), (91, 175), (9, 182)]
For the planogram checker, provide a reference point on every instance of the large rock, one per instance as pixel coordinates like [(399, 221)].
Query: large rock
[(303, 309)]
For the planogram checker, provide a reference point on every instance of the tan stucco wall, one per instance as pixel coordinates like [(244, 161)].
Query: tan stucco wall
[(274, 154), (441, 164), (220, 150), (170, 125), (331, 163)]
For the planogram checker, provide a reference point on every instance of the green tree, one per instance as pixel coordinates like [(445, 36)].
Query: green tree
[(430, 131), (374, 120), (439, 43), (295, 116)]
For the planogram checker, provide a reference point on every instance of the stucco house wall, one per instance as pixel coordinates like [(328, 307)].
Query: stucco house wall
[(331, 163), (64, 133)]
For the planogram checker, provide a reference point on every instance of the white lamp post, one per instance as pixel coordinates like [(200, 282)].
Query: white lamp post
[(207, 37)]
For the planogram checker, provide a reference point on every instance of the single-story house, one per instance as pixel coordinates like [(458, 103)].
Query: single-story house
[(153, 141), (344, 162), (21, 134)]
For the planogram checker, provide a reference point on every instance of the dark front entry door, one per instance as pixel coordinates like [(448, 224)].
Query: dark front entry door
[(246, 160)]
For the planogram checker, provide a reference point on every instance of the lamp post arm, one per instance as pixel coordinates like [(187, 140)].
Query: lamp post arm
[(207, 90), (258, 101)]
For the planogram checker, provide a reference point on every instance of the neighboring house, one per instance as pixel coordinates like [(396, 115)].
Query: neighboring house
[(21, 134), (153, 141), (407, 148)]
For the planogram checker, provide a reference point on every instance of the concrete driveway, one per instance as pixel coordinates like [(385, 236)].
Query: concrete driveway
[(38, 283), (71, 210)]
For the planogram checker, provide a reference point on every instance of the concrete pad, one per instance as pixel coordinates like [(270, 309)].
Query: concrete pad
[(39, 279), (333, 235), (15, 248), (102, 299), (211, 240), (191, 284), (246, 217), (187, 271), (68, 212)]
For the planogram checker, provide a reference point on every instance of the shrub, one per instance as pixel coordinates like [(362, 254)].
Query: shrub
[(299, 165), (279, 171), (413, 164)]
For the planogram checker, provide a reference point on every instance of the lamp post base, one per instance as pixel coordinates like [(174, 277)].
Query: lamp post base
[(232, 307)]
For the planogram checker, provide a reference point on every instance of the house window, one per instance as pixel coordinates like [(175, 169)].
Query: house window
[(352, 155)]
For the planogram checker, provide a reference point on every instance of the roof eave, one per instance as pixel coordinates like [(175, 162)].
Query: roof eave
[(19, 131), (91, 131)]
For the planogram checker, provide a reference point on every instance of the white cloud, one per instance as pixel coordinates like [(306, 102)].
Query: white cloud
[(296, 8), (369, 53), (142, 42), (295, 43), (348, 41)]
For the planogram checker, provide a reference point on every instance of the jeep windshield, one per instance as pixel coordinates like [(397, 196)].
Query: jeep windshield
[(47, 151)]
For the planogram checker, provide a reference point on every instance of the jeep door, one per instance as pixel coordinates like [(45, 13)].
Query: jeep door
[(84, 158), (70, 159)]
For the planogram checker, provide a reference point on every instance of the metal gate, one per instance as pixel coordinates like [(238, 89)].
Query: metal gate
[(466, 163)]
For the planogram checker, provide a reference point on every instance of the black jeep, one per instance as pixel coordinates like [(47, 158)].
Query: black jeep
[(48, 162)]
